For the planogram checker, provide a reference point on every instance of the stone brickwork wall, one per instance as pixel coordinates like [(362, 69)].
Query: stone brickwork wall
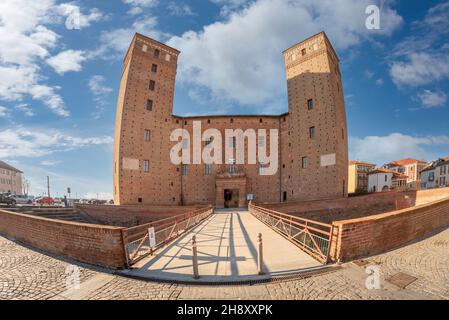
[(360, 206), (132, 215), (379, 233), (94, 244)]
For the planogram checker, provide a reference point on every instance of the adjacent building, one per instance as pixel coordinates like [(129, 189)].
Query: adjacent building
[(382, 180), (442, 173), (409, 167), (10, 179), (358, 176), (312, 142), (427, 176)]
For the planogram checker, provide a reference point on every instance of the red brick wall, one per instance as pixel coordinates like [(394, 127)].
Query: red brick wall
[(131, 215), (379, 233), (94, 244), (356, 207)]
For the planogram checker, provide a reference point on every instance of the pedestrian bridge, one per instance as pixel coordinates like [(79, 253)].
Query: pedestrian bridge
[(227, 246)]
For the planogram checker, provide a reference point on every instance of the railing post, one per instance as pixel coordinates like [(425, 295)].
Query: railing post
[(260, 255), (196, 274)]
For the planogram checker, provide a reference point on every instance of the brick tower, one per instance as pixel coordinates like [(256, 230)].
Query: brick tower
[(143, 125), (315, 154)]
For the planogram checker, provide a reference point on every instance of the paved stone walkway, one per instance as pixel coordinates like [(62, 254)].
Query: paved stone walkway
[(227, 251), (29, 274)]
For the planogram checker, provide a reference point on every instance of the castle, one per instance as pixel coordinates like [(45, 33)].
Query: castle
[(311, 141)]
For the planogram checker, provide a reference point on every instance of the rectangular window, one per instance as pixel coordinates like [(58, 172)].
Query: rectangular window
[(146, 166), (152, 85), (147, 135), (184, 170), (154, 68), (261, 141), (167, 57), (303, 52), (150, 105), (310, 104), (208, 169), (144, 48), (305, 162), (312, 132), (157, 53), (231, 168)]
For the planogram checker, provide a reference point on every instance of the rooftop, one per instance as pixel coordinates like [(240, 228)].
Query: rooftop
[(406, 161), (4, 165)]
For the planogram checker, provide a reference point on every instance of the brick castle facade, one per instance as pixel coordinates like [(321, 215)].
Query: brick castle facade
[(312, 135)]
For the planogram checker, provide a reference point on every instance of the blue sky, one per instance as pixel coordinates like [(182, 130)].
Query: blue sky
[(59, 84)]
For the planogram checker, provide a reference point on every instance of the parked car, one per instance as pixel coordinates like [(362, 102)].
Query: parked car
[(20, 199), (6, 199), (45, 201)]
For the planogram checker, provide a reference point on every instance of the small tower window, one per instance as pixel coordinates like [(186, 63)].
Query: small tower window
[(152, 85), (303, 52), (305, 162), (150, 105), (154, 68), (312, 132), (157, 53), (310, 104)]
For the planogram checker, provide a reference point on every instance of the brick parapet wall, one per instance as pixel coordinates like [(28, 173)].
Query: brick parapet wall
[(94, 244), (379, 233), (132, 215), (355, 207)]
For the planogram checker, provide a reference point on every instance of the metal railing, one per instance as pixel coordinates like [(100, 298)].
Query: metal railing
[(311, 236), (137, 239)]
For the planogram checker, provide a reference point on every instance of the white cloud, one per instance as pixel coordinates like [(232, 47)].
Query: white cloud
[(419, 69), (68, 60), (3, 112), (30, 143), (50, 163), (26, 42), (239, 59), (422, 58), (138, 6), (100, 92), (114, 43), (26, 109), (180, 9), (383, 149), (380, 81), (228, 6), (430, 99), (83, 20)]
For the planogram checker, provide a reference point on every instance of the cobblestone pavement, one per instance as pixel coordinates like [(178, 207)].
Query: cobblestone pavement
[(30, 274)]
